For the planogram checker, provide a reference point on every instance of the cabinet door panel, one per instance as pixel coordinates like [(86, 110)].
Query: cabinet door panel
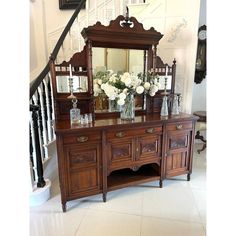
[(148, 147), (177, 162), (83, 180), (178, 152), (83, 168), (82, 157), (178, 141), (120, 152)]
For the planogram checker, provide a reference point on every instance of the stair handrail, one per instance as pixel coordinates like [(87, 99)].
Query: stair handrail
[(36, 82)]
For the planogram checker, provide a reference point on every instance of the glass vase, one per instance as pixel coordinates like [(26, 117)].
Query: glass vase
[(128, 109), (112, 105)]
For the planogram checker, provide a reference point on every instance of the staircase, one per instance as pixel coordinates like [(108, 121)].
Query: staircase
[(42, 137)]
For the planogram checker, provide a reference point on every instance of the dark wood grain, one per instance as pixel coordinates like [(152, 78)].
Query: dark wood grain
[(148, 148)]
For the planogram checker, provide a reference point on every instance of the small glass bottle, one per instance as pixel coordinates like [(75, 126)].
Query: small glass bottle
[(164, 107), (74, 113)]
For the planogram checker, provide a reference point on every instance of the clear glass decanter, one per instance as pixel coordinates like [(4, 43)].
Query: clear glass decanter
[(74, 113)]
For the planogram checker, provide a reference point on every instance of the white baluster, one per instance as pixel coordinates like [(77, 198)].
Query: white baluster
[(41, 133), (53, 112), (49, 130), (45, 135)]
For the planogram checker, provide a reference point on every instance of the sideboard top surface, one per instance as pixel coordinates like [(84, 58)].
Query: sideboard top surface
[(63, 126)]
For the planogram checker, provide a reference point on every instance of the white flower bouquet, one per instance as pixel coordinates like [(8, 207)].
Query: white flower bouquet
[(120, 86)]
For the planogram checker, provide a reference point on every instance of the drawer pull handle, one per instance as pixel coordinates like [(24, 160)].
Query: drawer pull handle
[(120, 134), (150, 130), (179, 126), (82, 139)]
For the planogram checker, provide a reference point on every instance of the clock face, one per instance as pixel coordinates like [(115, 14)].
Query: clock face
[(202, 35)]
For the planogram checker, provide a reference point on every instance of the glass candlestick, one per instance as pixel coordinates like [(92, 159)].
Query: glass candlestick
[(164, 107), (175, 107), (74, 113), (72, 96)]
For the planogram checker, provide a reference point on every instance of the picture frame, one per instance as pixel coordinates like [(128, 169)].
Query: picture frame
[(69, 4)]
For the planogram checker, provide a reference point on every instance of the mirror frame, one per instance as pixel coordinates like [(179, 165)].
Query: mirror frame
[(122, 33)]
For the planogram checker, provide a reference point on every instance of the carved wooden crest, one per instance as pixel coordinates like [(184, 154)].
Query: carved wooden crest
[(123, 32)]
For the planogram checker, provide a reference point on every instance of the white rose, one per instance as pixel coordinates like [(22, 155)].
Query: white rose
[(135, 81), (125, 91), (140, 89), (122, 96), (155, 88), (99, 81), (147, 85), (121, 102), (152, 94), (126, 74), (110, 91), (103, 86), (95, 81), (95, 86), (127, 81)]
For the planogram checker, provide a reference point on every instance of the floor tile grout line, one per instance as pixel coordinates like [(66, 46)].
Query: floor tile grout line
[(77, 229), (114, 211), (175, 220), (141, 223)]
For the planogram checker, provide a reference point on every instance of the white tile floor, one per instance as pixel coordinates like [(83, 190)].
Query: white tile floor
[(178, 209)]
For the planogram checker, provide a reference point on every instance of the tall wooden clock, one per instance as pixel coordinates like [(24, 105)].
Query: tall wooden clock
[(200, 69)]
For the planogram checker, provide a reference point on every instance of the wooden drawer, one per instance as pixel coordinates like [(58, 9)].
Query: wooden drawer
[(179, 126), (81, 138), (134, 132)]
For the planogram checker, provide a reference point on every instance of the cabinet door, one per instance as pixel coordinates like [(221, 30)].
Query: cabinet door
[(148, 147), (83, 169), (120, 153), (178, 152)]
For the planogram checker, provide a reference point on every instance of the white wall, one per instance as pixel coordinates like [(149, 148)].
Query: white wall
[(178, 21), (48, 21), (38, 57), (199, 90)]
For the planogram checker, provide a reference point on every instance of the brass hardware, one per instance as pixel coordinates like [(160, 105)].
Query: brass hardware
[(179, 126), (82, 139), (120, 134), (150, 130)]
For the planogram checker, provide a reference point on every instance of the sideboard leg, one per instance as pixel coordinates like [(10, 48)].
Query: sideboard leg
[(104, 197), (160, 183), (188, 177), (64, 207)]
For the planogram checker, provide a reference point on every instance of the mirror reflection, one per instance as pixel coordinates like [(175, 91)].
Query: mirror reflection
[(80, 84), (162, 82), (118, 60)]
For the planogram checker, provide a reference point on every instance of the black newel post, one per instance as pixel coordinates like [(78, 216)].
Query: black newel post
[(31, 152), (41, 182)]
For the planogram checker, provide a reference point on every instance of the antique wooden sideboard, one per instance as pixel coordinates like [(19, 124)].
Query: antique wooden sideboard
[(111, 153)]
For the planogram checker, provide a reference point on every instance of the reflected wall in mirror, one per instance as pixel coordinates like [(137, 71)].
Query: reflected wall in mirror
[(80, 84), (162, 82), (118, 60)]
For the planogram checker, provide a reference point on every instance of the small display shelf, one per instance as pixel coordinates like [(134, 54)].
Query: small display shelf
[(127, 177)]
